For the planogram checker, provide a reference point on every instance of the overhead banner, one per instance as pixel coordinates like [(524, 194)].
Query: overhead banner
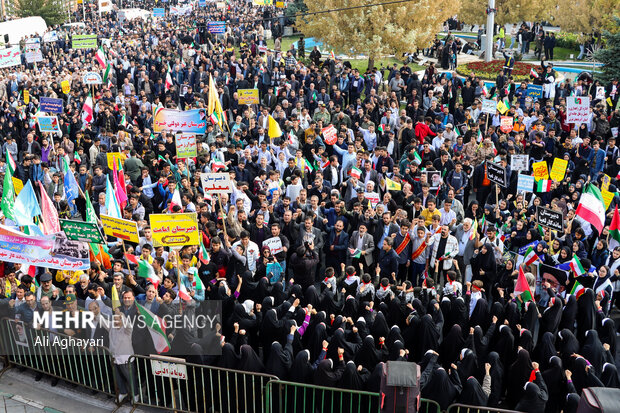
[(216, 183), (159, 12), (105, 6), (84, 41), (248, 96), (175, 230), (55, 251), (48, 124), (186, 145), (120, 228), (82, 231), (180, 10), (10, 57), (51, 105), (191, 121), (577, 109)]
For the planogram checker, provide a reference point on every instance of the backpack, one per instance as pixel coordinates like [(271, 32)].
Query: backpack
[(599, 400), (400, 387)]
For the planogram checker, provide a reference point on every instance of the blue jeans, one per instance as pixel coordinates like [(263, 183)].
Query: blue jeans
[(417, 271)]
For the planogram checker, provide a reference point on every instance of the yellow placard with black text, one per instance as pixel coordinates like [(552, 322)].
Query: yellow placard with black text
[(175, 230), (120, 228)]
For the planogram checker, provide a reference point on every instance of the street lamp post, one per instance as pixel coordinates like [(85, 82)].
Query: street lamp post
[(490, 25)]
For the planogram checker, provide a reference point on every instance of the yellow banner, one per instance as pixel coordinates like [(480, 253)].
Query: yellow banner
[(26, 97), (607, 198), (18, 185), (540, 170), (120, 228), (248, 96), (115, 155), (606, 180), (175, 230), (558, 169), (66, 87)]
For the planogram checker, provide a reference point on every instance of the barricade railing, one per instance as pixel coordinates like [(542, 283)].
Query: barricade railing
[(463, 408), (172, 384), (292, 397), (25, 346)]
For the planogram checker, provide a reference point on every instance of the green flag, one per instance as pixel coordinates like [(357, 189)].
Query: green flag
[(8, 196)]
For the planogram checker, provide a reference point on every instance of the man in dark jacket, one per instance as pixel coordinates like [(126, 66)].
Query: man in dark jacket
[(304, 262), (336, 247)]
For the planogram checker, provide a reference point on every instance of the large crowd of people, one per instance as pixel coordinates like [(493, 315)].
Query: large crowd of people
[(394, 244)]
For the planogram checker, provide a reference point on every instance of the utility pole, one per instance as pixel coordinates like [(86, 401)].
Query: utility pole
[(488, 54)]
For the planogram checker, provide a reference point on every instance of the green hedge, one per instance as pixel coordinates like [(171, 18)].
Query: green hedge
[(567, 40)]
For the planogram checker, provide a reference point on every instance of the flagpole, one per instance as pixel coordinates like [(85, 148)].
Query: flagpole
[(219, 199), (176, 257)]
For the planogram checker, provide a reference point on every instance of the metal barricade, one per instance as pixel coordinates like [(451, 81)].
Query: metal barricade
[(290, 397), (463, 408), (172, 384), (28, 347)]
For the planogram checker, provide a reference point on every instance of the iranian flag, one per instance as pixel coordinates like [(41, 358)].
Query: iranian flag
[(106, 75), (479, 138), (522, 288), (416, 157), (530, 256), (203, 254), (101, 59), (355, 172), (176, 199), (145, 270), (87, 110), (577, 290), (10, 162), (592, 208), (576, 266), (168, 83), (485, 91), (183, 293), (533, 73), (217, 165), (544, 185), (307, 165), (614, 227), (157, 329)]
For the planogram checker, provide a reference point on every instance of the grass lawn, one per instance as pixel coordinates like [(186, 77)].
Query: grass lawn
[(359, 64)]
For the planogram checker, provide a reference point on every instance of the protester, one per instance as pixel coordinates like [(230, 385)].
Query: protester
[(395, 240)]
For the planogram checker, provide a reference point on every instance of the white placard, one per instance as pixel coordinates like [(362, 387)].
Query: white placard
[(489, 106), (167, 369), (216, 183), (520, 162), (274, 244), (577, 109)]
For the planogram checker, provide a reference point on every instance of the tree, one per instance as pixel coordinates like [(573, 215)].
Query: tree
[(50, 10), (610, 55), (508, 11), (295, 7), (587, 16), (376, 31)]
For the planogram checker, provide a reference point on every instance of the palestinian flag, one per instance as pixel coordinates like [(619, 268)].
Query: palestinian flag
[(355, 253), (577, 290), (522, 288), (157, 329), (87, 110), (541, 230), (203, 254), (530, 256), (614, 227), (533, 73), (544, 185), (100, 57), (355, 173), (76, 157), (592, 207), (576, 266), (457, 130), (145, 270)]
